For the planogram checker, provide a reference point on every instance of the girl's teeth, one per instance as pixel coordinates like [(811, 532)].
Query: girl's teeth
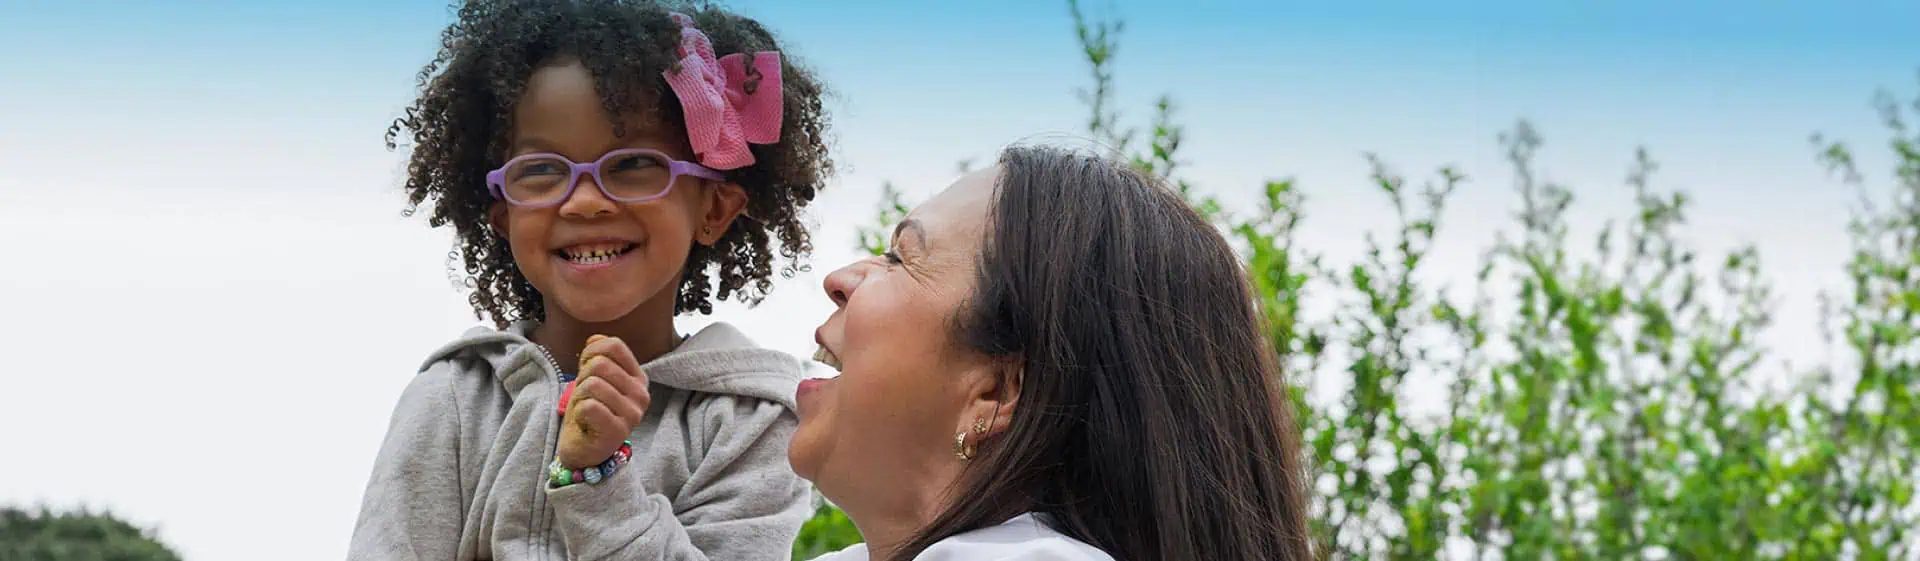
[(594, 256)]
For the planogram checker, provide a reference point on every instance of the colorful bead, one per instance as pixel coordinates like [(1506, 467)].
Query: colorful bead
[(561, 476)]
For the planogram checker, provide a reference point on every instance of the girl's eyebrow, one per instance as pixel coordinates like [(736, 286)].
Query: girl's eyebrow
[(527, 145)]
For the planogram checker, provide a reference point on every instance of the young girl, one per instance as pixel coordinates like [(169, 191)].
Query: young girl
[(599, 160)]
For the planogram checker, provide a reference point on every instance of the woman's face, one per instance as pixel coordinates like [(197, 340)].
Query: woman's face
[(887, 423)]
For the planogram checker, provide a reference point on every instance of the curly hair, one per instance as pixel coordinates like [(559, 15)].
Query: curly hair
[(460, 124)]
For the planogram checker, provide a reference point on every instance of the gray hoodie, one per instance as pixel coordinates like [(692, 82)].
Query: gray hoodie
[(462, 472)]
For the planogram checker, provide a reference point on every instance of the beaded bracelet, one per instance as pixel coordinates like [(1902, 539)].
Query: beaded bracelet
[(560, 476)]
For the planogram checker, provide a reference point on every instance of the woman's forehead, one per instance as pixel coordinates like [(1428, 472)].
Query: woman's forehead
[(959, 211)]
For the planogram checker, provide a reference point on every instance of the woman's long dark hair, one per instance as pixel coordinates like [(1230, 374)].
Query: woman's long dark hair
[(1151, 420)]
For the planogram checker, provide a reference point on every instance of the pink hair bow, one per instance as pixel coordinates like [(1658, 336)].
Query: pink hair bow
[(728, 103)]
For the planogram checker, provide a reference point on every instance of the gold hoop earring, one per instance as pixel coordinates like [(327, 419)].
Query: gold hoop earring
[(961, 449), (964, 450)]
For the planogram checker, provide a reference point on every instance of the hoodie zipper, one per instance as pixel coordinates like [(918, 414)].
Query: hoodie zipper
[(546, 508), (549, 356)]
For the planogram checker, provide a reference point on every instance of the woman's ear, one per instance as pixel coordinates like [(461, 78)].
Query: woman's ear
[(725, 202), (994, 397)]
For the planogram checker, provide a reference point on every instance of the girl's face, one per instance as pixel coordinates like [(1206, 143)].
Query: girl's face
[(596, 260)]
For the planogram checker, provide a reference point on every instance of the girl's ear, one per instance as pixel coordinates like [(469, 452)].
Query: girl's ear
[(725, 202), (497, 218)]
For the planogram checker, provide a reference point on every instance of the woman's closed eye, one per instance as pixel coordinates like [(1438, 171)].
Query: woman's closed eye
[(915, 267), (907, 236)]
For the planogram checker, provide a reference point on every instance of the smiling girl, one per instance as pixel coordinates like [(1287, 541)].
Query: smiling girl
[(604, 163)]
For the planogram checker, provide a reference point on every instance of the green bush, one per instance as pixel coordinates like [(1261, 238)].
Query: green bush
[(827, 532), (1611, 405), (44, 535)]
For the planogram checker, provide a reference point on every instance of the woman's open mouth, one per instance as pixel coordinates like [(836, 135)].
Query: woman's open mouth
[(824, 356)]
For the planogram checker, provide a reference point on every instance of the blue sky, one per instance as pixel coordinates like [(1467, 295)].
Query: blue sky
[(201, 187)]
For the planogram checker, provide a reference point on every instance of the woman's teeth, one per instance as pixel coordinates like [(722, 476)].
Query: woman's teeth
[(823, 357), (588, 255)]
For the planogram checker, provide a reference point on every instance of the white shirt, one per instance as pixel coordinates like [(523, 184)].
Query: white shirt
[(1024, 538)]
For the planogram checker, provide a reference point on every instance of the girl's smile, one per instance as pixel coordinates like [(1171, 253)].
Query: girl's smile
[(596, 254)]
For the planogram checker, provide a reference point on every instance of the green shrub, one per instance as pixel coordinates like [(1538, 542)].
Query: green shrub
[(43, 535), (1611, 405)]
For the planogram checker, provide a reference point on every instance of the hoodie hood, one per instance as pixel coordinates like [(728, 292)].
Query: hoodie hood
[(718, 359)]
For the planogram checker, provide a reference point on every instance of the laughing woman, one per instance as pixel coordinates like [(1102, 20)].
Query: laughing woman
[(1058, 359)]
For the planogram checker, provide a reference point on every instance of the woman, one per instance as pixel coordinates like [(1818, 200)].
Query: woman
[(1057, 359)]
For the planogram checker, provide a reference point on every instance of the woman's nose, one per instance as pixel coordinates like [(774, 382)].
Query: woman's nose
[(841, 283)]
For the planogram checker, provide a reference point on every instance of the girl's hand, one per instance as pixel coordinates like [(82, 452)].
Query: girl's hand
[(609, 398)]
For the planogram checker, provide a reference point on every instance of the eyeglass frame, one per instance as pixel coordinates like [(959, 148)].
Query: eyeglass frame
[(497, 179)]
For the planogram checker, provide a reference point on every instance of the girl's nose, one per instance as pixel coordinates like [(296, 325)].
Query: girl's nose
[(586, 199)]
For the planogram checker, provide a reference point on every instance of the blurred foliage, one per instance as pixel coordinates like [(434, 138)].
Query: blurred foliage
[(827, 532), (1593, 397), (43, 535)]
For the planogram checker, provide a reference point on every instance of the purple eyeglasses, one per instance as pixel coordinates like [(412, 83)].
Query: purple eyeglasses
[(628, 176)]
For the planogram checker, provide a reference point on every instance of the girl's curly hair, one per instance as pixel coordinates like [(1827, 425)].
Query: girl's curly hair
[(460, 123)]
